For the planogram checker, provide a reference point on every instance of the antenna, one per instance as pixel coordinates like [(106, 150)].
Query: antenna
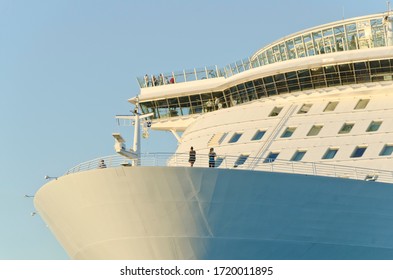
[(343, 11)]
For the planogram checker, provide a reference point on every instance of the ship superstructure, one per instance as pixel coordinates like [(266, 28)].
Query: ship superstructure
[(302, 131)]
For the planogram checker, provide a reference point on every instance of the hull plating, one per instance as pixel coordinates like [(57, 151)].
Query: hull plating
[(200, 213)]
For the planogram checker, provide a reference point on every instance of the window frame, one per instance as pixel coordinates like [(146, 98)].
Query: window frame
[(219, 161), (254, 138), (315, 126), (362, 104), (361, 148), (298, 152), (288, 132), (241, 160), (328, 106), (379, 123), (235, 137), (346, 131), (305, 108), (270, 159), (385, 147), (330, 150), (276, 111)]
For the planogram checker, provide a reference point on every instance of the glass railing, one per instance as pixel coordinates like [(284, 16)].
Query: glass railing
[(195, 74), (353, 34)]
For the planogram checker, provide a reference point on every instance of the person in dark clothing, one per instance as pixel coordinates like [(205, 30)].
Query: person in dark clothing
[(192, 157), (212, 158)]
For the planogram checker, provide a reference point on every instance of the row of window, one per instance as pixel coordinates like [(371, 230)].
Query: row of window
[(300, 80), (365, 33), (346, 128), (330, 107), (330, 153), (315, 130)]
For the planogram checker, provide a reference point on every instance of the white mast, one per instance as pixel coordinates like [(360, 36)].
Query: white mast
[(120, 146), (137, 129)]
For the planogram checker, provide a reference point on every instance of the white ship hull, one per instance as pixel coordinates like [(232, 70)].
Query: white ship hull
[(201, 213)]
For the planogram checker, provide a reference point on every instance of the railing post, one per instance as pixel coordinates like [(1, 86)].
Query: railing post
[(314, 169)]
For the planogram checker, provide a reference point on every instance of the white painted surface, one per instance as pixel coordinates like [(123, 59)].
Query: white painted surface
[(202, 213)]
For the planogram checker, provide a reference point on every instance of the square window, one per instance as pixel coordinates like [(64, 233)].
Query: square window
[(304, 109), (235, 137), (258, 135), (315, 129), (288, 132), (387, 150), (330, 153), (222, 137), (298, 155), (241, 160), (218, 162), (216, 139), (271, 157), (359, 151), (374, 126), (346, 128), (331, 106), (362, 103), (275, 111)]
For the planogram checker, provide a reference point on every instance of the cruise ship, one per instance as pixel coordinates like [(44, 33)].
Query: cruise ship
[(302, 135)]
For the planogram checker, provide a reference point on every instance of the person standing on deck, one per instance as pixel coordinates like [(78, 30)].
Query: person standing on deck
[(212, 158), (192, 157)]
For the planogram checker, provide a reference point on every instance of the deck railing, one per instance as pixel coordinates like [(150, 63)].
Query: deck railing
[(244, 163)]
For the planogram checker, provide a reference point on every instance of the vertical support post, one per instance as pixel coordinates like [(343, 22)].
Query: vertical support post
[(137, 137), (389, 31)]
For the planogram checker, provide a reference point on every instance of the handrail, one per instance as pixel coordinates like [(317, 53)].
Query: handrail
[(234, 162)]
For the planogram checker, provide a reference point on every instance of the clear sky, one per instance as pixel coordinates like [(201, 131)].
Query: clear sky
[(67, 67)]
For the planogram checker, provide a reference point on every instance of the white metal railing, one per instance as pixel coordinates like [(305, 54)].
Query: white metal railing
[(244, 163)]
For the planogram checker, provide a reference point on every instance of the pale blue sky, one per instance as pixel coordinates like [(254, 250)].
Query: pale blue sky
[(67, 67)]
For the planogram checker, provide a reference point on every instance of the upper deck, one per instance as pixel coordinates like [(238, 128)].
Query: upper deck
[(345, 35), (306, 60)]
